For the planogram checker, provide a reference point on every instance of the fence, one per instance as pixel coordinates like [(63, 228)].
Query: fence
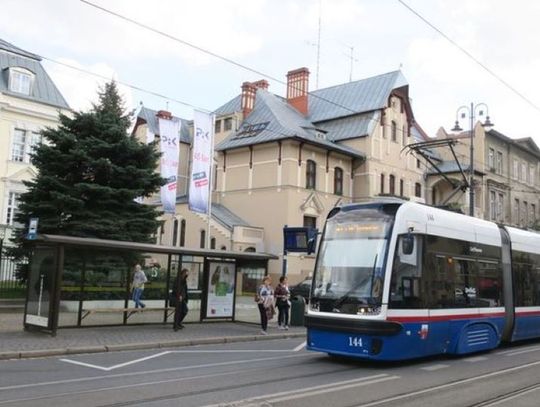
[(10, 286)]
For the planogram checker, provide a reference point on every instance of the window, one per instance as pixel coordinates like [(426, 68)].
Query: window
[(417, 163), (311, 174), (175, 232), (183, 233), (394, 131), (523, 174), (418, 190), (202, 242), (12, 207), (515, 169), (310, 222), (382, 183), (500, 206), (24, 142), (499, 162), (217, 126), (516, 211), (525, 214), (20, 80), (227, 124), (338, 181), (223, 247), (404, 135), (533, 213), (532, 178), (492, 205), (491, 159), (400, 187), (212, 243), (392, 184)]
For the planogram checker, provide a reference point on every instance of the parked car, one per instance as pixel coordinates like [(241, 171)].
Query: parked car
[(303, 289)]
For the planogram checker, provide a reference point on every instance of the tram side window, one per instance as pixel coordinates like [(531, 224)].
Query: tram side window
[(406, 289), (526, 269), (489, 284)]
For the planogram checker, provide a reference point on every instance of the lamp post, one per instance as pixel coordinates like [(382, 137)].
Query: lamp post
[(2, 236), (472, 111)]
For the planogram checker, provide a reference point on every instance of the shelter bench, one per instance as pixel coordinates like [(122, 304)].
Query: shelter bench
[(130, 311)]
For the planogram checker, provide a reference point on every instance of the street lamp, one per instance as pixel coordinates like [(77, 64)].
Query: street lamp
[(2, 236), (472, 111)]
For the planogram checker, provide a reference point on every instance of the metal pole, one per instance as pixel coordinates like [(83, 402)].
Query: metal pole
[(471, 167)]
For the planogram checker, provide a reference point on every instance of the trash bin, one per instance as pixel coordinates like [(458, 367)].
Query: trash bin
[(298, 308)]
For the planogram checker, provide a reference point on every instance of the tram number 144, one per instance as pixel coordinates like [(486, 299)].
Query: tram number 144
[(355, 341)]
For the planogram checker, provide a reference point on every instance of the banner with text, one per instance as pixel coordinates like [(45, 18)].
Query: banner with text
[(203, 143), (169, 138)]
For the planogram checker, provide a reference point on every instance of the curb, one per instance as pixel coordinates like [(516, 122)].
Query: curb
[(144, 345)]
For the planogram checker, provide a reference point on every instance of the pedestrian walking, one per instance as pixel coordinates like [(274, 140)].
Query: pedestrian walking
[(265, 303), (283, 302), (139, 278), (180, 293)]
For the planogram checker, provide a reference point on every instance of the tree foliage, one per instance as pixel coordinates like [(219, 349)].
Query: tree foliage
[(90, 171)]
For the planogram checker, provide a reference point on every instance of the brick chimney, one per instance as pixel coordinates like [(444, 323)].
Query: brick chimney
[(248, 97), (297, 89), (164, 114), (262, 84)]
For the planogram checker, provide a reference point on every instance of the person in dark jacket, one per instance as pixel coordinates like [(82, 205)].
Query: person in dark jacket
[(283, 295), (180, 292)]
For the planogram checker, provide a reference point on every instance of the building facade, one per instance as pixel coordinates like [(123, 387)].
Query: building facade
[(29, 102)]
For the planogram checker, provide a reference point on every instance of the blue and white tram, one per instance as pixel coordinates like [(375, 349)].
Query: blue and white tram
[(397, 280)]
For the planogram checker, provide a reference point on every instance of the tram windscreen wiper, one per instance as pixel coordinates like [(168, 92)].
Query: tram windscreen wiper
[(347, 295)]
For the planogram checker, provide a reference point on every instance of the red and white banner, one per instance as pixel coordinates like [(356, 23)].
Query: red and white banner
[(203, 143), (169, 138)]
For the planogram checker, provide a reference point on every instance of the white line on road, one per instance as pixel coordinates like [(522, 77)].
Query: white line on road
[(132, 362), (146, 372), (447, 385), (475, 359), (434, 367), (512, 351), (314, 390)]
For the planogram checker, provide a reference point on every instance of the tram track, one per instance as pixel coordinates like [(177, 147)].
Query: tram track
[(506, 397)]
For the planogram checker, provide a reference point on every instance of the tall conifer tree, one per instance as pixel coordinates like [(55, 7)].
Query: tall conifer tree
[(89, 173)]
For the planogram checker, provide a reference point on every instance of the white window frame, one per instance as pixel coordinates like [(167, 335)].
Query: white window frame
[(21, 80), (499, 169), (492, 205), (20, 151), (12, 206), (491, 159), (500, 207), (515, 173)]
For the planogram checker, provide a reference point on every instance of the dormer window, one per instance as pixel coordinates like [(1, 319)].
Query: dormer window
[(20, 80)]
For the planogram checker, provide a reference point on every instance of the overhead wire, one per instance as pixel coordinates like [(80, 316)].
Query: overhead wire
[(469, 55)]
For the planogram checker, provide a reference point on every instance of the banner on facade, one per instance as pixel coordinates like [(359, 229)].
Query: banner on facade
[(169, 138), (203, 143)]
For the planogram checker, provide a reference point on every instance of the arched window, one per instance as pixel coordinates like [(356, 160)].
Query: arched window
[(394, 131), (382, 183), (311, 174), (418, 190), (212, 243), (202, 243), (400, 187), (183, 233), (175, 232), (338, 181), (250, 250), (223, 247), (392, 182)]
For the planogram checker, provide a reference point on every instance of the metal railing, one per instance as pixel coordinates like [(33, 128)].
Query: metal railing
[(10, 286)]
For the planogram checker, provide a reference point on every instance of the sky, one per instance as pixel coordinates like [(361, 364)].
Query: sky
[(276, 36)]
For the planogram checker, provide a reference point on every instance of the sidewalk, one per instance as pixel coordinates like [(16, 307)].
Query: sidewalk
[(16, 343)]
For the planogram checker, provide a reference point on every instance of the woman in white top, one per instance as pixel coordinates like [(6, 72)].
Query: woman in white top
[(265, 302), (139, 278)]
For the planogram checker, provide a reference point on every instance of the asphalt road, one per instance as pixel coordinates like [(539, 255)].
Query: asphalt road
[(271, 373)]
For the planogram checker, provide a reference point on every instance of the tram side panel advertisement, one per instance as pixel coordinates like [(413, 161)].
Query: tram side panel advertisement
[(221, 288)]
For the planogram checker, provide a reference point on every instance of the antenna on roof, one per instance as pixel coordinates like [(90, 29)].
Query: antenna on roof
[(318, 46)]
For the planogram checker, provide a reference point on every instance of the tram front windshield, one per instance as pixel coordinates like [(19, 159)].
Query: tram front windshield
[(349, 272)]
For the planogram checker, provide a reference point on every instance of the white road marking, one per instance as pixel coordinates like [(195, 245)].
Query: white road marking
[(146, 372), (447, 385), (132, 362), (434, 367), (314, 390), (300, 347), (127, 386), (519, 352), (475, 359), (512, 351)]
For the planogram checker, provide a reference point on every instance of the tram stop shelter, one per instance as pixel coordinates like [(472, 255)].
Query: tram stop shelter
[(78, 282)]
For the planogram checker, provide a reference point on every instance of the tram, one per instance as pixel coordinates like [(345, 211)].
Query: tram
[(398, 280)]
